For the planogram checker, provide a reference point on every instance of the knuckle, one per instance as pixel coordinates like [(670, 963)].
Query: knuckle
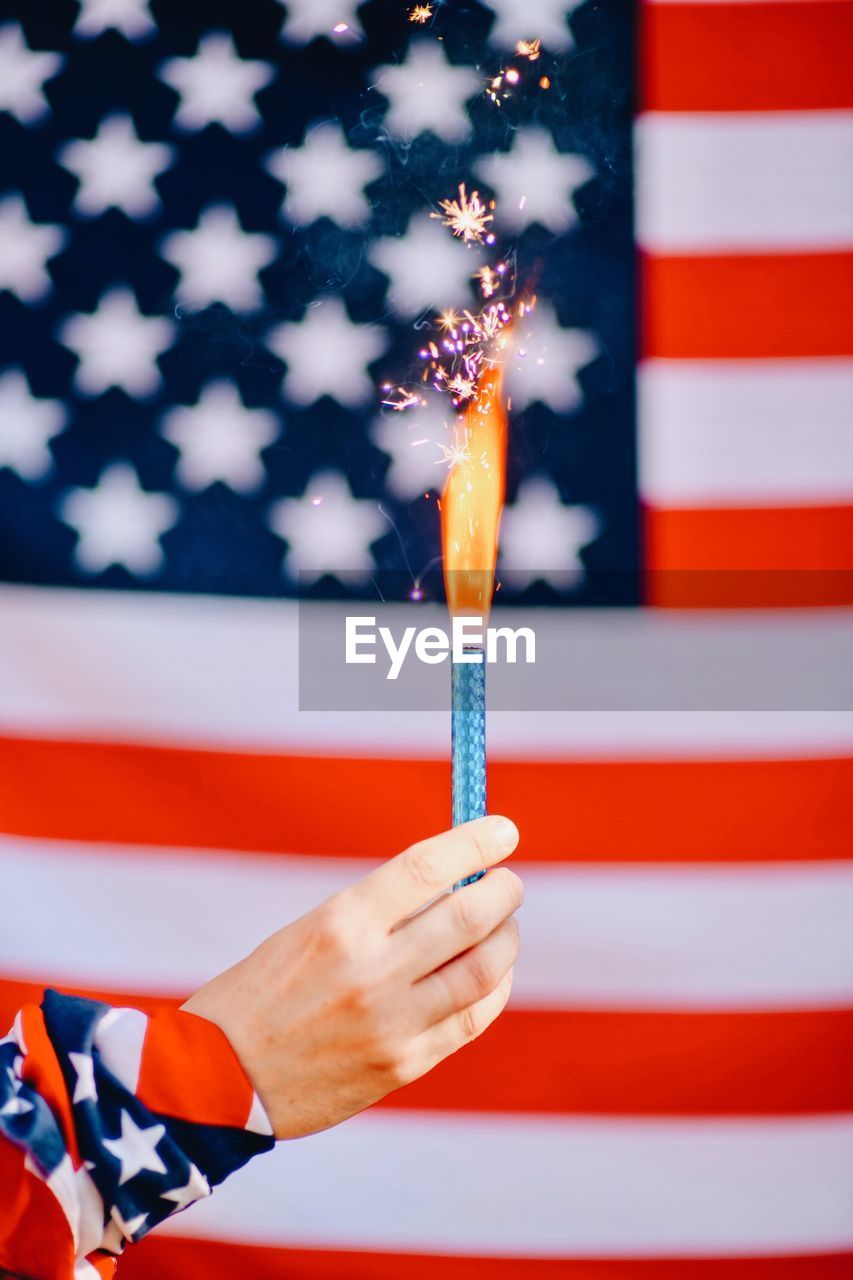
[(481, 971), (422, 867), (511, 887), (477, 843), (469, 911), (332, 928), (470, 1023)]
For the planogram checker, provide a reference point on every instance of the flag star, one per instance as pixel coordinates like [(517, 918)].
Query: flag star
[(23, 72), (197, 1188), (27, 423), (127, 1228), (546, 360), (131, 17), (534, 19), (220, 439), (216, 85), (84, 1066), (427, 267), (412, 440), (118, 523), (117, 345), (116, 169), (534, 182), (16, 1106), (327, 355), (327, 530), (426, 92), (307, 19), (325, 177), (541, 537), (25, 248), (219, 261)]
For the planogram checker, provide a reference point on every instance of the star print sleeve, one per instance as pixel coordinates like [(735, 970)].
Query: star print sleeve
[(111, 1120)]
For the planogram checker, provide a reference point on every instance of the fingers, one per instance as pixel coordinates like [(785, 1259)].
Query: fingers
[(455, 923), (469, 978), (466, 1025), (406, 883)]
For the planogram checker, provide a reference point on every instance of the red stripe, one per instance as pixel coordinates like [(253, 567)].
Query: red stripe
[(746, 557), (765, 306), (35, 1237), (747, 57), (670, 811), (170, 1259), (593, 1063)]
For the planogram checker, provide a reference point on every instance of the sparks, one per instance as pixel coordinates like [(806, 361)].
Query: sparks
[(449, 320), (467, 217), (455, 454), (402, 398), (421, 13), (489, 282), (529, 49)]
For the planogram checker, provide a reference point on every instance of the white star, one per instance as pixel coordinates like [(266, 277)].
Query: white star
[(197, 1188), (327, 530), (427, 267), (220, 439), (216, 86), (131, 17), (307, 19), (412, 439), (325, 177), (22, 75), (327, 355), (117, 345), (534, 182), (546, 360), (136, 1148), (125, 1229), (25, 247), (541, 537), (84, 1066), (532, 19), (16, 1106), (27, 423), (115, 169), (426, 92), (219, 261), (118, 523)]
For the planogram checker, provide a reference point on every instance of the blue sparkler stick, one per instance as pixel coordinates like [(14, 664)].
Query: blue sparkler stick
[(468, 742)]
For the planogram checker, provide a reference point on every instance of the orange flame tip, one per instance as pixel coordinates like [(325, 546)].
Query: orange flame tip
[(473, 501)]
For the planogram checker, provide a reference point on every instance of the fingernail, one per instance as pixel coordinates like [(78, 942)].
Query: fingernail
[(505, 833)]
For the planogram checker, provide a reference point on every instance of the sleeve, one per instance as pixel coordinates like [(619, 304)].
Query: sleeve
[(111, 1120)]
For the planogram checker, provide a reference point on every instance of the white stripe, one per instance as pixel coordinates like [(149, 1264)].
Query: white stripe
[(725, 937), (180, 670), (546, 1187), (749, 432), (764, 181)]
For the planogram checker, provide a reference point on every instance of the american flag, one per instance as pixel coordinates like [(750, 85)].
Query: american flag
[(215, 248)]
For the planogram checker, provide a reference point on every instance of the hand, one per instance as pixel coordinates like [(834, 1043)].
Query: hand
[(362, 995)]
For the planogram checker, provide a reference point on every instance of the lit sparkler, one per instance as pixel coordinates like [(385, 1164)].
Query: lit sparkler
[(421, 13), (471, 512)]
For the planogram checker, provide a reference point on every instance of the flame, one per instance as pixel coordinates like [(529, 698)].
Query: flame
[(473, 500)]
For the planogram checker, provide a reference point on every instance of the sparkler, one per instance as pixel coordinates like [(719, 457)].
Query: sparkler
[(471, 512)]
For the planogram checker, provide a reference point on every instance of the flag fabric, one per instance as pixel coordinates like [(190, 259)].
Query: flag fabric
[(216, 252)]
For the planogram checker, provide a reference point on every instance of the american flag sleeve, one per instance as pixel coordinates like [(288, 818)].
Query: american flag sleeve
[(111, 1120)]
